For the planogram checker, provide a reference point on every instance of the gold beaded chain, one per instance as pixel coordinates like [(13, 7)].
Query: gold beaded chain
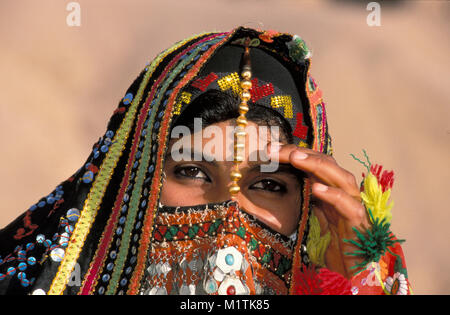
[(241, 122)]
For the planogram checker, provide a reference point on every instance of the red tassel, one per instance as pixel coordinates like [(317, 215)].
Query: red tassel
[(334, 283), (321, 282), (386, 180)]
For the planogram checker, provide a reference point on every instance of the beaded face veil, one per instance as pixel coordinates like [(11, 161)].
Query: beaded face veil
[(104, 231)]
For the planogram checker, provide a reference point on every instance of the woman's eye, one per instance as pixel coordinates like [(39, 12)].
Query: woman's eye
[(192, 172), (269, 185)]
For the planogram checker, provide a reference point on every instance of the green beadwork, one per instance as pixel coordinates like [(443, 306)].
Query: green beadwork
[(253, 244), (241, 232), (266, 257), (214, 226), (171, 232), (193, 230)]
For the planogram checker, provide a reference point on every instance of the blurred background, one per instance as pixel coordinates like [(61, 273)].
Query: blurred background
[(386, 88)]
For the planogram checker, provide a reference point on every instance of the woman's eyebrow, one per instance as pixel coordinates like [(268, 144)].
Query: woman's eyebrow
[(196, 156), (282, 168)]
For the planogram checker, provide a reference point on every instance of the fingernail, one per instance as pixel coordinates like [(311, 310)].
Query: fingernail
[(298, 155), (320, 187)]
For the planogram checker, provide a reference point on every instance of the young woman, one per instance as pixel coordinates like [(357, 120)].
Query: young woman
[(152, 212)]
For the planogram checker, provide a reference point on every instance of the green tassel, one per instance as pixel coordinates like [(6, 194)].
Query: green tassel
[(374, 244)]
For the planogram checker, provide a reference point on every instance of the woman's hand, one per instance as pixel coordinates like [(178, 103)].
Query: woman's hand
[(337, 202)]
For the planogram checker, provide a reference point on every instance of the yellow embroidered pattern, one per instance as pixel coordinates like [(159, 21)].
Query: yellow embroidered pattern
[(284, 101), (95, 195), (230, 81), (185, 97)]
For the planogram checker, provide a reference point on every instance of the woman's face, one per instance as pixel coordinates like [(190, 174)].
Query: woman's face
[(273, 197)]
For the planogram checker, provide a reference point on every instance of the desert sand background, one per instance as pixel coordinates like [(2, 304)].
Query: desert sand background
[(386, 88)]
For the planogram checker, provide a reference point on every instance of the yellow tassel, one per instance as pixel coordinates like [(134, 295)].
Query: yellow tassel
[(317, 245), (375, 200)]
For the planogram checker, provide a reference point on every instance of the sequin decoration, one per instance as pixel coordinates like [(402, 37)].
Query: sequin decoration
[(185, 98), (301, 131), (128, 98), (88, 177), (257, 92), (22, 255), (230, 81), (284, 101), (203, 83)]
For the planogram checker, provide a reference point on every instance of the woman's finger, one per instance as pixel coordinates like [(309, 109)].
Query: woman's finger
[(320, 165), (349, 208)]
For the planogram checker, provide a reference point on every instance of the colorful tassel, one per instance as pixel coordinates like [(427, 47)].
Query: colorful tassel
[(316, 244), (373, 243)]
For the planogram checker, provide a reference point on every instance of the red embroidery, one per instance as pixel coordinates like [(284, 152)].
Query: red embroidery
[(27, 224), (56, 206), (119, 110), (300, 131), (258, 92), (202, 84), (268, 36)]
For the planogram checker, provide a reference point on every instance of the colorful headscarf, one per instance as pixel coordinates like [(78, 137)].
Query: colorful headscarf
[(92, 234)]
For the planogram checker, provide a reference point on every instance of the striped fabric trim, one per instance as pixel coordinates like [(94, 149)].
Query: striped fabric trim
[(166, 79), (99, 258), (148, 223)]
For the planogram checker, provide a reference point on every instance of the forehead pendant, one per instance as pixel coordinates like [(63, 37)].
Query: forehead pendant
[(241, 121)]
